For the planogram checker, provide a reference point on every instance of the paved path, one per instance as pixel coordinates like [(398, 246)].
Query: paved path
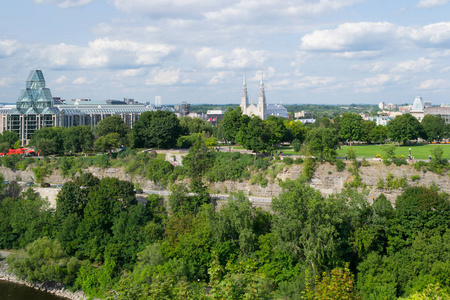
[(4, 253)]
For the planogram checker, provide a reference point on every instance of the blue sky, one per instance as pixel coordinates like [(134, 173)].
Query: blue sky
[(309, 51)]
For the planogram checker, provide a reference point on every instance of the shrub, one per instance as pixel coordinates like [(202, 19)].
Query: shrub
[(262, 163), (380, 183), (309, 165), (398, 162), (365, 163), (296, 144), (298, 161), (415, 177), (340, 165), (288, 161)]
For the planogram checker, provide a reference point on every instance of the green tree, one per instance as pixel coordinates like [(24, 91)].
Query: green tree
[(44, 261), (305, 225), (9, 137), (378, 134), (199, 159), (404, 128), (232, 123), (113, 124), (108, 142), (351, 127), (256, 136), (322, 142), (159, 129), (78, 139), (48, 140), (297, 130), (434, 127), (194, 125)]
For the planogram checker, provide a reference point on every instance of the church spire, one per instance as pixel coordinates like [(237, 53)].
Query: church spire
[(262, 106), (244, 96)]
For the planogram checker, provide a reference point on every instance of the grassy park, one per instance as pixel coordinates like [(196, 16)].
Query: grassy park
[(370, 151), (417, 151)]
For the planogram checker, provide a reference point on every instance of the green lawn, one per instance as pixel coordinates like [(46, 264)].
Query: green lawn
[(417, 151), (370, 151)]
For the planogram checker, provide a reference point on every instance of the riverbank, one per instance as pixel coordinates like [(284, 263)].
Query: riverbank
[(57, 289)]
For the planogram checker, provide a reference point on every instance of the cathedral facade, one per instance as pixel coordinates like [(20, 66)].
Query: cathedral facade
[(260, 109)]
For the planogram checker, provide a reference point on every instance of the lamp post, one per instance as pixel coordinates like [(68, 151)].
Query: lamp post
[(410, 157)]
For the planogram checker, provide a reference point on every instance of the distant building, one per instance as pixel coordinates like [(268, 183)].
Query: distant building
[(214, 116), (35, 108), (426, 104), (302, 114), (262, 109), (277, 110), (182, 109), (417, 109), (390, 106), (158, 102), (443, 111), (307, 121), (381, 105), (379, 120)]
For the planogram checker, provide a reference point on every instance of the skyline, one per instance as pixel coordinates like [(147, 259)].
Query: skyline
[(314, 52)]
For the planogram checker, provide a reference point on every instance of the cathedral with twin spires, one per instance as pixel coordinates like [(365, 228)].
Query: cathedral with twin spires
[(260, 109)]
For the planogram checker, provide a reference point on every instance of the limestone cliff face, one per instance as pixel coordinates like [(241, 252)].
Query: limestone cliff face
[(325, 178)]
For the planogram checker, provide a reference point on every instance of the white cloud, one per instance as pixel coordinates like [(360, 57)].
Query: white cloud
[(8, 47), (237, 58), (81, 81), (350, 37), (421, 65), (64, 3), (61, 55), (431, 3), (273, 9), (61, 79), (371, 67), (230, 10), (432, 35), (104, 53), (131, 73), (170, 8), (433, 84), (375, 84), (220, 78), (160, 76)]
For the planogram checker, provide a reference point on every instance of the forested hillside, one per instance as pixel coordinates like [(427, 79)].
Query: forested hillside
[(101, 240)]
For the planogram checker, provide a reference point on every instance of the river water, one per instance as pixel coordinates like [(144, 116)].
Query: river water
[(14, 291)]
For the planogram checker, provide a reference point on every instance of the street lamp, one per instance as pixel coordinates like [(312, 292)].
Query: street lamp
[(410, 157)]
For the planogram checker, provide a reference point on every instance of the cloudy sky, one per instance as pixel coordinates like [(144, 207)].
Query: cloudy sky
[(309, 51)]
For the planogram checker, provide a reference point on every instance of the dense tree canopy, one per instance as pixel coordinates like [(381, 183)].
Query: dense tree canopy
[(404, 128), (435, 127), (159, 129), (351, 127), (113, 124), (322, 142)]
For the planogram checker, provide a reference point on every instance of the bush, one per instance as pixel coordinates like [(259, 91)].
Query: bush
[(262, 163), (309, 165), (298, 161), (296, 144), (398, 161), (288, 161), (415, 177), (340, 165)]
